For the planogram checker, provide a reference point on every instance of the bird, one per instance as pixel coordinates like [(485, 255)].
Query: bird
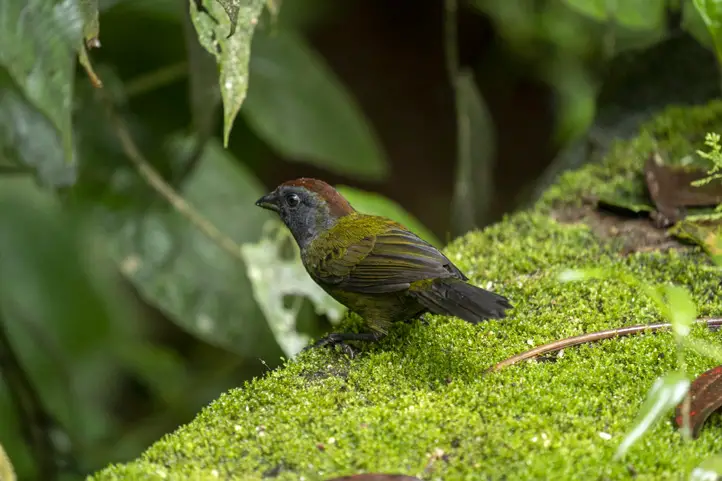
[(373, 265)]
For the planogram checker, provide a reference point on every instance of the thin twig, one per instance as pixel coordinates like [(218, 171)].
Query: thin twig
[(156, 181), (592, 337)]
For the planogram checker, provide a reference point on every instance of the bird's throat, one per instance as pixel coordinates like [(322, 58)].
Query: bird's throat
[(306, 229)]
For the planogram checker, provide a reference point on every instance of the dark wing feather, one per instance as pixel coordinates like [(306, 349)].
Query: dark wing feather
[(387, 262)]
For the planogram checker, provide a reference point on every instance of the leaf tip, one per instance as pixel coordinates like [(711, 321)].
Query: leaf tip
[(571, 275)]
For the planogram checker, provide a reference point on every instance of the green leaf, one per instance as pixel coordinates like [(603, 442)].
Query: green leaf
[(682, 310), (664, 395), (63, 311), (694, 24), (596, 9), (298, 106), (28, 138), (161, 369), (91, 25), (476, 137), (376, 204), (203, 78), (641, 14), (711, 13), (274, 277), (634, 14), (38, 41), (232, 53), (709, 470), (232, 8), (274, 7), (577, 93), (39, 248), (7, 473), (177, 268)]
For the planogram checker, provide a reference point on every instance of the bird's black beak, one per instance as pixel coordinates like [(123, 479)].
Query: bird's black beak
[(269, 201)]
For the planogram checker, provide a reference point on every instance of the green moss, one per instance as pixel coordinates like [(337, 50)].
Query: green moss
[(419, 402), (677, 134)]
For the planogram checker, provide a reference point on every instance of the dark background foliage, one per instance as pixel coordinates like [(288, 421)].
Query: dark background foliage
[(137, 279)]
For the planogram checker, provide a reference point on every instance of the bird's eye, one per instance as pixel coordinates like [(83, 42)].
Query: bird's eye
[(292, 200)]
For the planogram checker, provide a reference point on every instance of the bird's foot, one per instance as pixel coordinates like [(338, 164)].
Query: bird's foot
[(422, 318), (340, 338)]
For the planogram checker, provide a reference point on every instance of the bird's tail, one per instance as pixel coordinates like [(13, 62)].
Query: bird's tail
[(450, 296)]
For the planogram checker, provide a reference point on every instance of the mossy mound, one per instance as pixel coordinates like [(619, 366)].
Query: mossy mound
[(419, 402)]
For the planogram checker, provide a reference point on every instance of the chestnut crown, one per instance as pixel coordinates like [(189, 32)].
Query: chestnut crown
[(307, 206)]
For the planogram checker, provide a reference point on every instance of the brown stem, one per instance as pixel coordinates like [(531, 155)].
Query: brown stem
[(592, 337), (156, 181)]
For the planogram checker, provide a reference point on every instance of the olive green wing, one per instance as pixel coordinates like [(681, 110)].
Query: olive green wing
[(386, 262)]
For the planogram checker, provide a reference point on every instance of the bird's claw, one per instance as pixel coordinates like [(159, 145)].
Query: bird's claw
[(332, 340), (340, 338)]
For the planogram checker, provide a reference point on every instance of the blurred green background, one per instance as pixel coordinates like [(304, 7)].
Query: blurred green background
[(137, 279)]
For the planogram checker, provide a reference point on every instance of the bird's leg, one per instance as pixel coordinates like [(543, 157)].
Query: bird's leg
[(340, 338), (421, 316)]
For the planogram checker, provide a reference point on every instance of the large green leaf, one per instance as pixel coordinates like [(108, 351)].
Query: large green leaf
[(710, 12), (91, 25), (7, 473), (275, 277), (641, 14), (61, 312), (203, 80), (38, 41), (28, 138), (178, 268), (297, 105), (694, 24), (214, 25), (376, 204), (635, 14)]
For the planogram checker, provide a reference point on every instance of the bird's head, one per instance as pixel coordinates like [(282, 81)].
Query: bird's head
[(308, 207)]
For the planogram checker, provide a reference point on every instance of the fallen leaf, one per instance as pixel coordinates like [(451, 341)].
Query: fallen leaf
[(670, 188), (706, 398), (669, 192)]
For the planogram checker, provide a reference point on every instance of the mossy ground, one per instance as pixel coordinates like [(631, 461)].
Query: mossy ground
[(419, 402)]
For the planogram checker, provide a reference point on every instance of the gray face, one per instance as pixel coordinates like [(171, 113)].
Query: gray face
[(305, 213)]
